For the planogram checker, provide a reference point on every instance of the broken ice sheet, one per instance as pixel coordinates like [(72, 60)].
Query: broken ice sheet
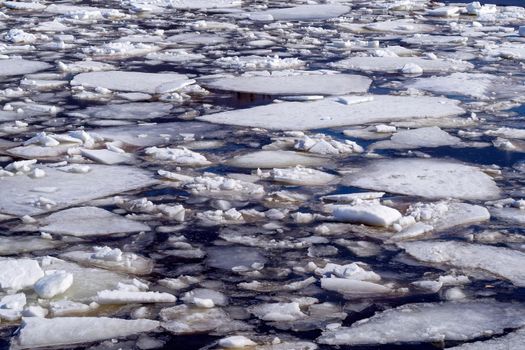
[(88, 221), (428, 322), (132, 81), (337, 112), (293, 84), (101, 181), (426, 178), (504, 262), (227, 204), (39, 332)]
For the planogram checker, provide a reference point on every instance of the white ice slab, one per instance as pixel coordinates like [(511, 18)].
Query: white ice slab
[(275, 159), (39, 332), (367, 213), (503, 263), (477, 85), (302, 84), (133, 81), (301, 13), (128, 111), (203, 4), (89, 221), (396, 64), (430, 178), (428, 322), (513, 340), (422, 137), (132, 297), (156, 134), (19, 198), (53, 283), (10, 67), (333, 112), (17, 274)]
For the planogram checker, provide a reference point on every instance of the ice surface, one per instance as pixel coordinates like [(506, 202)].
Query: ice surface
[(17, 274), (157, 134), (111, 259), (89, 221), (513, 340), (395, 64), (203, 4), (53, 283), (137, 110), (133, 297), (504, 263), (101, 181), (132, 81), (301, 176), (332, 113), (275, 159), (434, 178), (421, 137), (297, 84), (39, 332), (10, 67), (478, 85), (428, 322), (301, 13), (366, 213)]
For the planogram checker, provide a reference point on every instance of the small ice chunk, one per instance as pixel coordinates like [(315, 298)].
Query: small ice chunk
[(278, 312), (373, 214), (236, 342), (131, 297), (411, 68), (53, 283)]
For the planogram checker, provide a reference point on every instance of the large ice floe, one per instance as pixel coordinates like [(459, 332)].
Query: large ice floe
[(340, 111), (470, 257), (426, 178), (296, 84), (60, 187), (428, 322), (132, 81), (262, 175)]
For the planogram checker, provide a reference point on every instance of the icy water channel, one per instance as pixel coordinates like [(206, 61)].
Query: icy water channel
[(269, 175)]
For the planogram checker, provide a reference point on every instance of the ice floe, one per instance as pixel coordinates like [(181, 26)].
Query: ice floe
[(336, 112), (428, 322), (504, 262), (39, 332), (426, 178), (295, 84)]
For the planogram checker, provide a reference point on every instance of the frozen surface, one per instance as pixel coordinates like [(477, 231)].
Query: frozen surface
[(426, 178), (300, 84), (17, 274), (12, 67), (301, 13), (504, 262), (132, 81), (89, 221), (396, 64), (512, 340), (427, 322), (62, 331), (334, 112), (20, 199)]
